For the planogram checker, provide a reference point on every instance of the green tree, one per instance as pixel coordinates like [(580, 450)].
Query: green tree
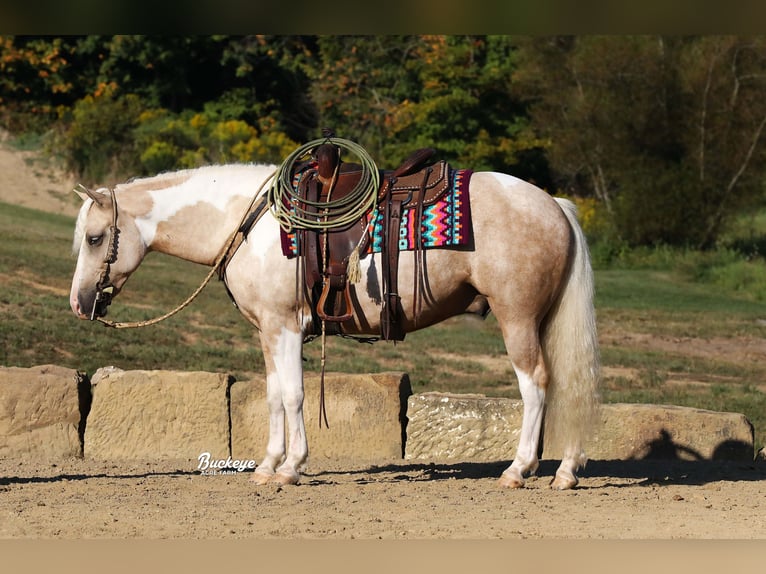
[(36, 76), (667, 132), (126, 105), (359, 81), (96, 138), (269, 78), (394, 94), (237, 77), (466, 108)]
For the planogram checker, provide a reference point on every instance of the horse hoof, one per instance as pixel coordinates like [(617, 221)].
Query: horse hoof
[(284, 479), (508, 480), (261, 478), (564, 481)]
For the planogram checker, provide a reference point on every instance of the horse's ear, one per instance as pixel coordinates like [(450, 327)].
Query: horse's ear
[(86, 193)]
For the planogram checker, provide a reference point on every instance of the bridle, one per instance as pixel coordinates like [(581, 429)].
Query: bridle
[(104, 287)]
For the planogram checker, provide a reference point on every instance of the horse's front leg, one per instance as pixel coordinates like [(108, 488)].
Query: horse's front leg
[(284, 390), (275, 449)]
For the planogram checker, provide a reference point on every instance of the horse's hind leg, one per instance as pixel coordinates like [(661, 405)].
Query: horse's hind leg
[(526, 356), (566, 475)]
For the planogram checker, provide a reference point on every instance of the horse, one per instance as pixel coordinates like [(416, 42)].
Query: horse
[(527, 263)]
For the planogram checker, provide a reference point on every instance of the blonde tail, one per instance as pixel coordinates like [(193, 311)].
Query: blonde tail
[(570, 346)]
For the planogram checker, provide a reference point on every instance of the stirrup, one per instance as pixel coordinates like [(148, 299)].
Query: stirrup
[(323, 299)]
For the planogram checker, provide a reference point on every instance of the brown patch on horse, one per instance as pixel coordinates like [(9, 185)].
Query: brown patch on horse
[(184, 227)]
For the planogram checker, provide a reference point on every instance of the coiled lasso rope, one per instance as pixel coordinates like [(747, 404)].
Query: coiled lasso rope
[(293, 212)]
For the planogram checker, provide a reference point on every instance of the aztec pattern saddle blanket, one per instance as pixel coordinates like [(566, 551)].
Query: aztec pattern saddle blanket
[(444, 223)]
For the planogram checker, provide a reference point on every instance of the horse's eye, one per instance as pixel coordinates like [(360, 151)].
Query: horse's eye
[(95, 239)]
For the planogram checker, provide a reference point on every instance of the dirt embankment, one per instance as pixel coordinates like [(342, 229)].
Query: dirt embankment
[(30, 180)]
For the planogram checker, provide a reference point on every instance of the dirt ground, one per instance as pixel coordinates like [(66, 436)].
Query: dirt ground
[(392, 499), (388, 499)]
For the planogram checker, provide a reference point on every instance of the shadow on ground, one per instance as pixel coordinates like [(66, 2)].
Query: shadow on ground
[(645, 472), (642, 472)]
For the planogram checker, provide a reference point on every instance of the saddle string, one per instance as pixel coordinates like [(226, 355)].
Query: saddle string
[(227, 252), (322, 407), (354, 267)]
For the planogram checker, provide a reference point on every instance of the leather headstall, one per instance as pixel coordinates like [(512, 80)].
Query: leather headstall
[(104, 288)]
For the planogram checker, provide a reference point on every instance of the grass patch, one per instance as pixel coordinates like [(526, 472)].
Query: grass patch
[(663, 301), (667, 303)]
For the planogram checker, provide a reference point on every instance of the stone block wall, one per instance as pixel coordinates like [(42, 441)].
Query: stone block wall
[(42, 411), (53, 412), (365, 414), (158, 415), (474, 427)]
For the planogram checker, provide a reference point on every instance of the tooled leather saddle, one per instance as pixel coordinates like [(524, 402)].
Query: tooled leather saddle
[(326, 254)]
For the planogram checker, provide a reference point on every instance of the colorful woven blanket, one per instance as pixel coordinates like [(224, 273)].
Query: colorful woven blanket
[(445, 223)]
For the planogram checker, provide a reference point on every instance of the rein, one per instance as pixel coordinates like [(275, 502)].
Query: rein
[(105, 290)]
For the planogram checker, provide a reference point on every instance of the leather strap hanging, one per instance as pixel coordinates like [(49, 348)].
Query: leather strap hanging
[(390, 316)]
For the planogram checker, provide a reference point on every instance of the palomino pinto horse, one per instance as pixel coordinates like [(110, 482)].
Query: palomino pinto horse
[(528, 262)]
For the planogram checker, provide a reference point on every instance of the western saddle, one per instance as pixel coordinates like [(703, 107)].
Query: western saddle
[(329, 255)]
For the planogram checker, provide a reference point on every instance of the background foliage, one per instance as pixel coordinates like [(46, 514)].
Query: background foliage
[(660, 136)]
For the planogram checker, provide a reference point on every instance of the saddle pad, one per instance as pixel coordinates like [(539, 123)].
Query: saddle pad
[(445, 223)]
